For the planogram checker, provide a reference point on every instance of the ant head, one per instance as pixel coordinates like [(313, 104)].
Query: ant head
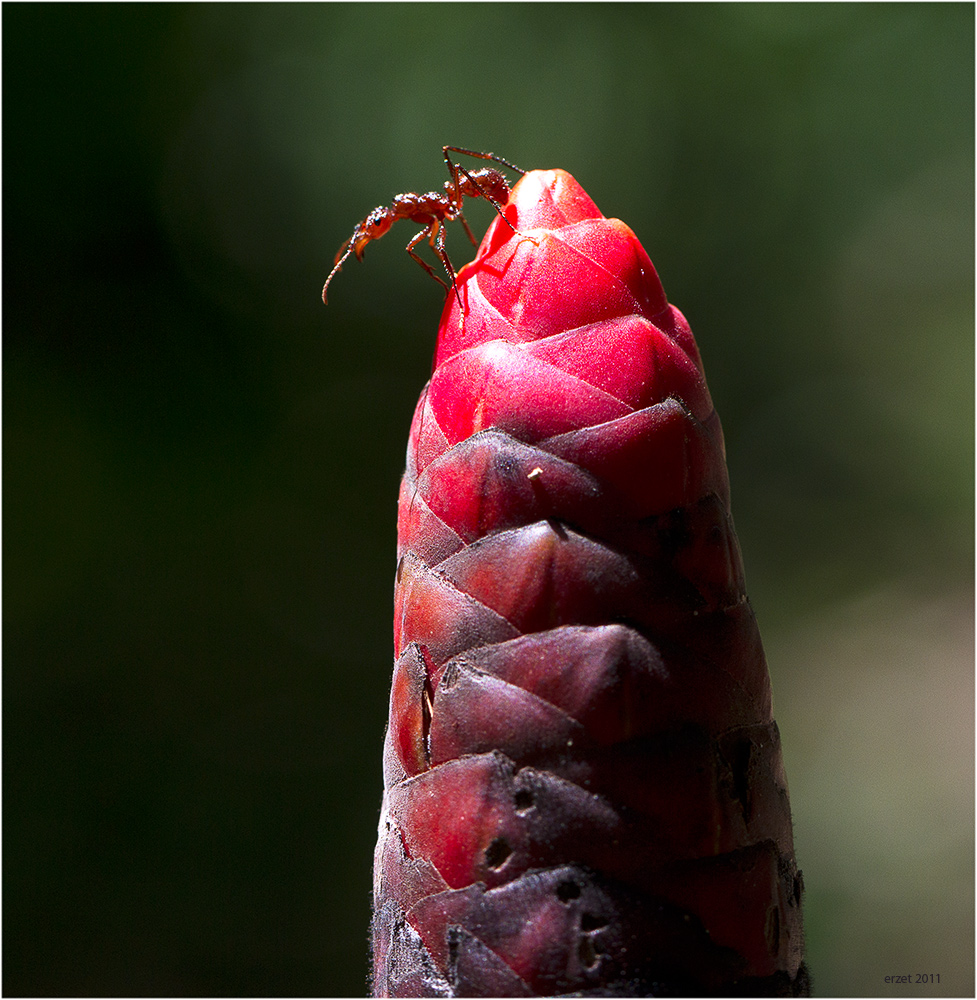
[(371, 228)]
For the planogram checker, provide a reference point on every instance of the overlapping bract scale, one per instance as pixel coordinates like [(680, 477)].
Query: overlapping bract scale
[(584, 789)]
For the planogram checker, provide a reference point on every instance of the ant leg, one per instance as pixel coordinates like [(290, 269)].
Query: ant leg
[(480, 156), (464, 222), (453, 171), (443, 254), (436, 242), (430, 232)]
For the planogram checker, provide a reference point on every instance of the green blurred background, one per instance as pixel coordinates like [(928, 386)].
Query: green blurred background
[(202, 461)]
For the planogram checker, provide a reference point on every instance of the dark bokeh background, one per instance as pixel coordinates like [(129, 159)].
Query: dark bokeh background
[(201, 462)]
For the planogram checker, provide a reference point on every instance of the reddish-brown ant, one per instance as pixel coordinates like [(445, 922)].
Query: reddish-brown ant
[(432, 210)]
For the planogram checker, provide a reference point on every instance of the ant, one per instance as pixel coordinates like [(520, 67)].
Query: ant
[(432, 210)]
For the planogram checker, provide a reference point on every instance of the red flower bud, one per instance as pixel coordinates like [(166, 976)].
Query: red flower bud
[(584, 788)]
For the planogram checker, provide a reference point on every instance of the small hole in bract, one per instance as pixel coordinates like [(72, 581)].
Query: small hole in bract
[(400, 568), (524, 800), (587, 953), (497, 853), (567, 890), (772, 929), (454, 942), (741, 761), (591, 922)]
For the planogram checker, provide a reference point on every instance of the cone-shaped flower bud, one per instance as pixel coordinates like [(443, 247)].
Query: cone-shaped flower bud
[(584, 787)]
